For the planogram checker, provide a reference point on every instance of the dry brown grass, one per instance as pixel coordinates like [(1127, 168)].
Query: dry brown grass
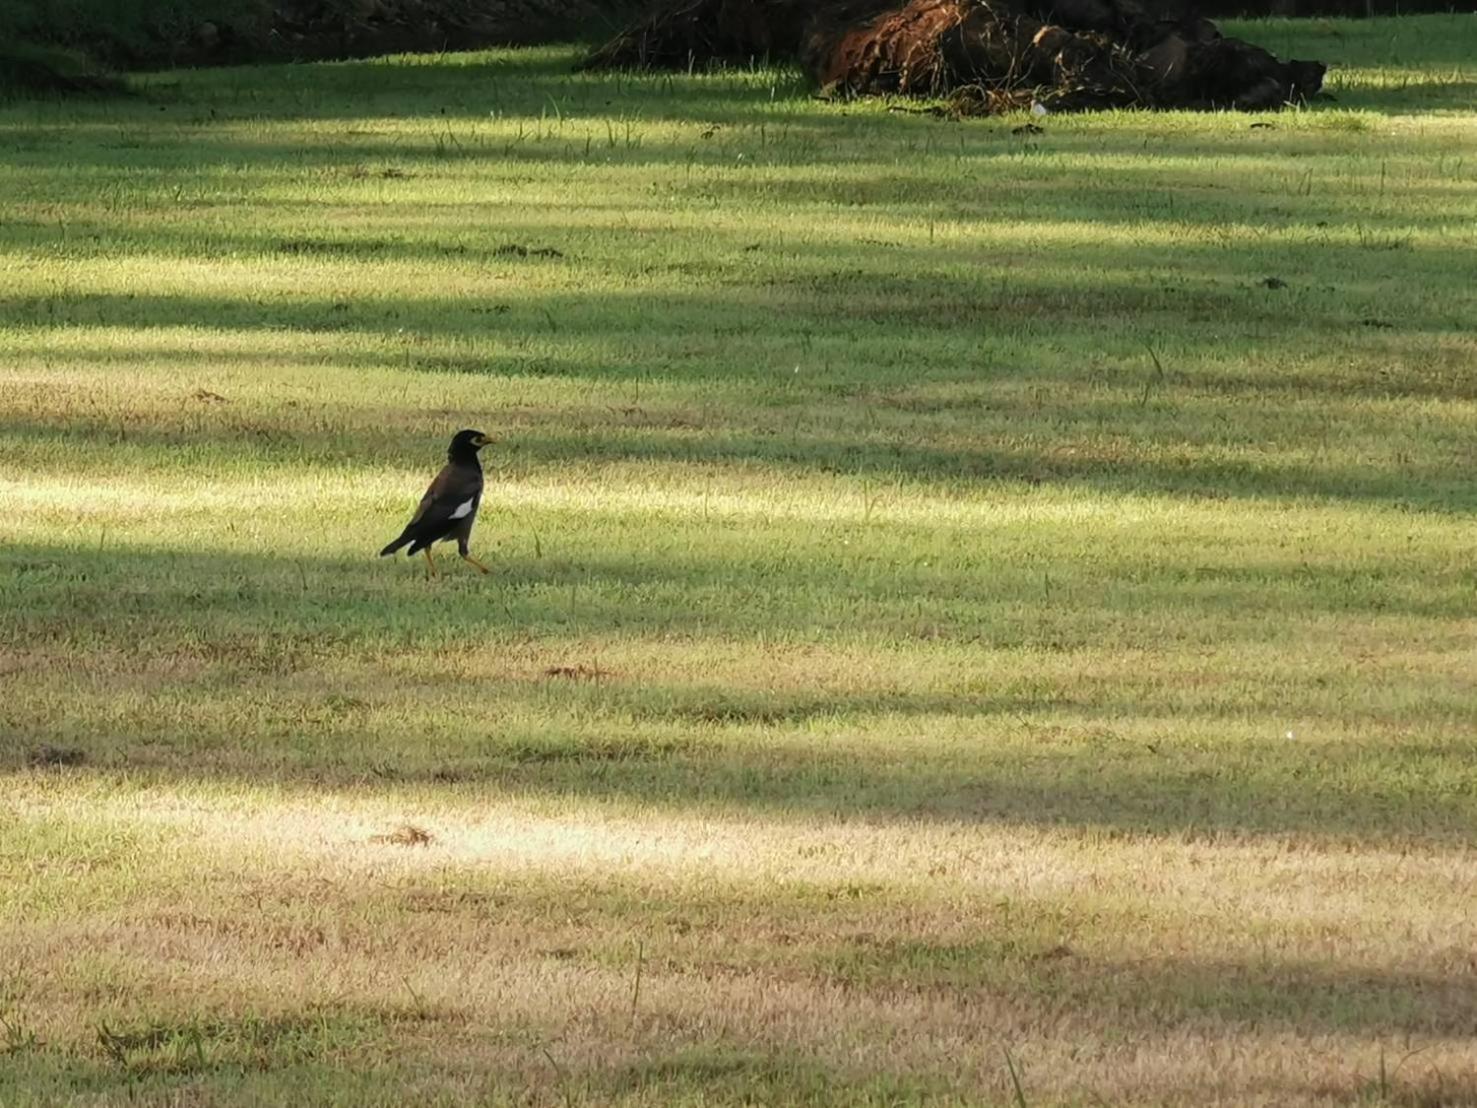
[(1136, 970)]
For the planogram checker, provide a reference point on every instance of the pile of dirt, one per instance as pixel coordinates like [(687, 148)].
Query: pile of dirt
[(981, 55)]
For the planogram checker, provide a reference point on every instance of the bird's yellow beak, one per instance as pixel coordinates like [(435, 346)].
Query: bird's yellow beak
[(483, 440)]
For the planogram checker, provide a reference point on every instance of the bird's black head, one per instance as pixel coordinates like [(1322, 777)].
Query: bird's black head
[(465, 444)]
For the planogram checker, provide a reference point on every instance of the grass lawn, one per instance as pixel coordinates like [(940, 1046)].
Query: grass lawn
[(976, 617)]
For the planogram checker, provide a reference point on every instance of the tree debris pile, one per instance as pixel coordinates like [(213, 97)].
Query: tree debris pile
[(979, 55)]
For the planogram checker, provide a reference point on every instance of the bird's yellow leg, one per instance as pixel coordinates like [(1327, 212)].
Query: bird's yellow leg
[(475, 562), (430, 565)]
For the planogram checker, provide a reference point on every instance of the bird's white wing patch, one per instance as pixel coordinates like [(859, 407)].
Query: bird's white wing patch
[(463, 510)]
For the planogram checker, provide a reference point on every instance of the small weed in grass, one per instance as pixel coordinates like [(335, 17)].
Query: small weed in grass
[(48, 756), (15, 1035)]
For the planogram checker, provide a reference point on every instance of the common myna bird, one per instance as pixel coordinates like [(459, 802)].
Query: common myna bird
[(449, 508)]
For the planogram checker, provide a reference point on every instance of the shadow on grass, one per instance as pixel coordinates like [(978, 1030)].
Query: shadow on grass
[(1219, 250), (814, 163), (1047, 436), (827, 936), (1134, 751), (846, 290), (783, 576)]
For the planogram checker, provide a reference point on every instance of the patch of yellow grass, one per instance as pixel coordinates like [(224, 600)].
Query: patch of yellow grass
[(519, 924)]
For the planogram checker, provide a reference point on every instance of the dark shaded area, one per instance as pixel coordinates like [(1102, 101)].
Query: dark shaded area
[(147, 34), (324, 29), (984, 55), (28, 70)]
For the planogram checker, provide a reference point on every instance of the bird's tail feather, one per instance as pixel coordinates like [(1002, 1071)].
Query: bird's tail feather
[(396, 545)]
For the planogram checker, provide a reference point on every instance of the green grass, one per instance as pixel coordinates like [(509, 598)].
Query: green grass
[(1001, 620)]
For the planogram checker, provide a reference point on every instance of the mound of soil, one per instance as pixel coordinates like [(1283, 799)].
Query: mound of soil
[(982, 55)]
